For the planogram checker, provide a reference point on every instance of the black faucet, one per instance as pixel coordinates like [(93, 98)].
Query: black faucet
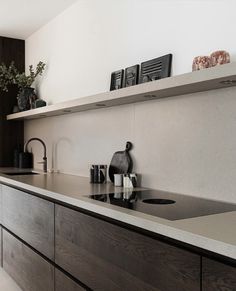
[(44, 162)]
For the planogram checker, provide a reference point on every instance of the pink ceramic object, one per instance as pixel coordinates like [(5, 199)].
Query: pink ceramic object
[(219, 58), (201, 62)]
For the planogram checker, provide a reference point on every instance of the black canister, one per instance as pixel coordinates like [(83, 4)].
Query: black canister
[(16, 158), (92, 174), (102, 174), (95, 173), (26, 160), (98, 174)]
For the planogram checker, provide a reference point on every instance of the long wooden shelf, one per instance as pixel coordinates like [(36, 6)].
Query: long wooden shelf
[(213, 78)]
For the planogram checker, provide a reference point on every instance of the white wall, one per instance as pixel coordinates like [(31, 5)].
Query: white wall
[(185, 144)]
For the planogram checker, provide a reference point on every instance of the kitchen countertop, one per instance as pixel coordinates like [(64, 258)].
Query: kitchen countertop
[(215, 233)]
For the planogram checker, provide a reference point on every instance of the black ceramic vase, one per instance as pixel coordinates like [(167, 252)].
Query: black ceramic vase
[(25, 97)]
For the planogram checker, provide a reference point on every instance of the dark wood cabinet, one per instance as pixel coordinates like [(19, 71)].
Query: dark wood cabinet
[(29, 270), (217, 276), (108, 257), (64, 283), (11, 133), (96, 253), (30, 218)]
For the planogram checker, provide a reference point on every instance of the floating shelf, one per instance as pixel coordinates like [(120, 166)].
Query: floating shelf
[(208, 79)]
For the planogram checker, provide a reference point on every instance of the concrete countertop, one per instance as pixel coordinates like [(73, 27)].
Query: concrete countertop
[(215, 233)]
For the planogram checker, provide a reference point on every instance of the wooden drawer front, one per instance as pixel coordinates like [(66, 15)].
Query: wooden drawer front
[(217, 276), (30, 271), (107, 257), (64, 283), (31, 218)]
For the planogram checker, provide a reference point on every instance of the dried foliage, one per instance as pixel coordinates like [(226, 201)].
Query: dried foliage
[(11, 76)]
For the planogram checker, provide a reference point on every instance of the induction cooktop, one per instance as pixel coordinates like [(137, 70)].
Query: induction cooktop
[(163, 204)]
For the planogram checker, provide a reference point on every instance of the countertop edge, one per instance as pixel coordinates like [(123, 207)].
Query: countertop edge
[(196, 240)]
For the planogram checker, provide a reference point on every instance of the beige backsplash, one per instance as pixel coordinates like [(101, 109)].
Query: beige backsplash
[(185, 144)]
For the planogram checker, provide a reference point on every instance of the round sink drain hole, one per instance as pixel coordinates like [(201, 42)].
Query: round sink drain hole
[(158, 201)]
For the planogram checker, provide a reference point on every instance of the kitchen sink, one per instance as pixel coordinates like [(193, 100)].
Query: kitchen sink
[(21, 173)]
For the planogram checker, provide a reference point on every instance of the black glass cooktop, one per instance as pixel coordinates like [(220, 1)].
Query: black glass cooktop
[(165, 204)]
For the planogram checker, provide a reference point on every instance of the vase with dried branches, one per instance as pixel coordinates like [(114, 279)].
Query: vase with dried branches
[(9, 75)]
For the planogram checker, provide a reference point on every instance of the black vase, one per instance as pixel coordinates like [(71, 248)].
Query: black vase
[(24, 98)]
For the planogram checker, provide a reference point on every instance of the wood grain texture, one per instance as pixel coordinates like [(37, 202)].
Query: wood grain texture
[(13, 50), (217, 276), (30, 271), (64, 283), (30, 218), (107, 257), (11, 133)]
